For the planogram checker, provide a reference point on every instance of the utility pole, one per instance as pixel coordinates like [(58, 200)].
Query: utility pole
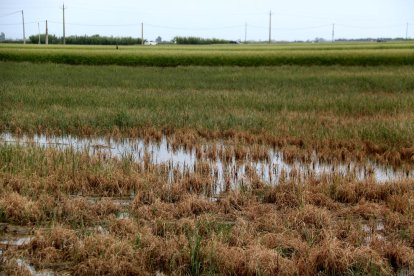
[(245, 33), (406, 32), (142, 33), (38, 30), (333, 33), (47, 35), (24, 32), (64, 37), (270, 27)]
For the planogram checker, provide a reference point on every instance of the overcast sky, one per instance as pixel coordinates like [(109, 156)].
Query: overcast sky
[(291, 20)]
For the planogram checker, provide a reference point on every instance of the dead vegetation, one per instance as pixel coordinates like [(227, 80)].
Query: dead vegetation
[(100, 215)]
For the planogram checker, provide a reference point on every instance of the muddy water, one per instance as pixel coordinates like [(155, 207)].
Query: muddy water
[(222, 168)]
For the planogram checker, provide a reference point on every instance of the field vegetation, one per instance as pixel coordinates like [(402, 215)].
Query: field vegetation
[(351, 54), (365, 109), (85, 212), (90, 214)]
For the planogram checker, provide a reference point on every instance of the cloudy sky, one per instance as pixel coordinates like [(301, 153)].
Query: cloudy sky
[(291, 20)]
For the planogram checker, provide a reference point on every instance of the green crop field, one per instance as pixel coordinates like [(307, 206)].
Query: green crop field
[(340, 117), (392, 53)]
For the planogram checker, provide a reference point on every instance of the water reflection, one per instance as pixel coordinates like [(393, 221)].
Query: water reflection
[(221, 159)]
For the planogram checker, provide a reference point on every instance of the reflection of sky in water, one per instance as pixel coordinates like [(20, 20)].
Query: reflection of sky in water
[(162, 153), (17, 242)]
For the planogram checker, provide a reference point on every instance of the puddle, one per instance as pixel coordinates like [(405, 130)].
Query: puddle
[(122, 215), (222, 165), (121, 202), (16, 229), (21, 263), (373, 231), (17, 241), (100, 230), (32, 270)]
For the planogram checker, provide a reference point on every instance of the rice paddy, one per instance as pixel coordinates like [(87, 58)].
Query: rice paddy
[(305, 54), (255, 169)]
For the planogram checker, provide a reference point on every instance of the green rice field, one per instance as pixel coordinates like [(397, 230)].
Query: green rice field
[(390, 53)]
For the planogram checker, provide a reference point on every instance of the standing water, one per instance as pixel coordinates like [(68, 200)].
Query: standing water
[(223, 168)]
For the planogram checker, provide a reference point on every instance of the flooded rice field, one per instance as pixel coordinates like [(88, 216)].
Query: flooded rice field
[(122, 206), (226, 164)]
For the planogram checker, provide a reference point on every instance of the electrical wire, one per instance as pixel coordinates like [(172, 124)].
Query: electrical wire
[(302, 28), (369, 27), (195, 29), (8, 14), (93, 25), (20, 23)]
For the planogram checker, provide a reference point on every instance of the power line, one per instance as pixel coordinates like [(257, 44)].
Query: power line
[(92, 25), (257, 27), (166, 12), (195, 29), (370, 27), (8, 14), (13, 24), (303, 28), (20, 23), (239, 27)]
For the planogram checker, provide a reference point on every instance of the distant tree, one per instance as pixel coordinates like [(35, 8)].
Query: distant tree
[(158, 40), (2, 37), (102, 40), (87, 40), (198, 40), (52, 39), (319, 39)]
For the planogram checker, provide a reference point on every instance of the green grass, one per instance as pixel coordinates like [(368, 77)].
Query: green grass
[(349, 54), (317, 103)]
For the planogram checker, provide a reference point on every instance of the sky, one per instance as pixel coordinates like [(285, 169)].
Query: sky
[(227, 19)]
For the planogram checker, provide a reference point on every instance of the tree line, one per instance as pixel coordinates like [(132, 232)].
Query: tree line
[(110, 40), (200, 41), (86, 40)]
